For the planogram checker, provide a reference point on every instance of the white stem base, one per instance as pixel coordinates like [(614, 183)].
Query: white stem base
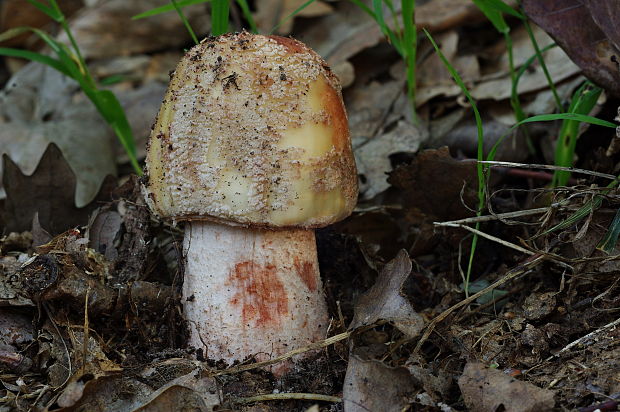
[(251, 292)]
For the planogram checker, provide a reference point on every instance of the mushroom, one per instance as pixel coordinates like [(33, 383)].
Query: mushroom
[(251, 150)]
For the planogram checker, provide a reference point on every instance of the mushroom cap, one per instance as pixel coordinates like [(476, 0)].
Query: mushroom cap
[(252, 131)]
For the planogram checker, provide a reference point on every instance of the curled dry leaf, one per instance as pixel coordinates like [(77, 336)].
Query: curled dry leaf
[(591, 47), (370, 385), (106, 28), (188, 392), (487, 389), (373, 158), (384, 299)]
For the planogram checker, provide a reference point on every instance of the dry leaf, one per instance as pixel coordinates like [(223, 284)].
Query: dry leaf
[(373, 158), (188, 392), (489, 390), (271, 12), (40, 106), (588, 46), (106, 29), (436, 185), (558, 63), (49, 192), (370, 385), (384, 299)]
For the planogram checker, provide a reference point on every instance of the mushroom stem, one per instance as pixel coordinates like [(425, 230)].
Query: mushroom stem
[(251, 291)]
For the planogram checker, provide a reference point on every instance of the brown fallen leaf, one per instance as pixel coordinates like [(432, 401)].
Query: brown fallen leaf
[(271, 12), (489, 390), (384, 299), (105, 29), (370, 385), (48, 191), (341, 35), (453, 182), (188, 392), (373, 158), (589, 47), (39, 106)]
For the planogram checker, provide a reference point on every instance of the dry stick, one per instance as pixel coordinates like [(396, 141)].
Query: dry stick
[(492, 238), (514, 273), (547, 167), (507, 215), (287, 396), (577, 342)]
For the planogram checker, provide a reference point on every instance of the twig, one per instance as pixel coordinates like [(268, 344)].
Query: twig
[(491, 237), (578, 342), (499, 216), (514, 273), (548, 167), (286, 396)]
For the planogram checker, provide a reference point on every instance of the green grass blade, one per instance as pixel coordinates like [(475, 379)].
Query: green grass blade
[(543, 65), (528, 63), (247, 14), (480, 155), (52, 13), (219, 17), (609, 242), (35, 57), (579, 214), (379, 18), (502, 7), (68, 63), (582, 102), (549, 118), (110, 80), (410, 47), (567, 116), (493, 14), (112, 111), (188, 26), (291, 15), (167, 8)]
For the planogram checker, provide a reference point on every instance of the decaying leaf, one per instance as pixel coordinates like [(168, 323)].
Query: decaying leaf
[(105, 29), (49, 192), (346, 32), (557, 61), (384, 299), (373, 158), (370, 385), (271, 12), (188, 392), (489, 390), (9, 285), (589, 46), (40, 106), (453, 183)]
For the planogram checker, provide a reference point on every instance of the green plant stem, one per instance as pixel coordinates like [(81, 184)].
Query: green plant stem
[(219, 17), (515, 101), (411, 41), (186, 23), (543, 65)]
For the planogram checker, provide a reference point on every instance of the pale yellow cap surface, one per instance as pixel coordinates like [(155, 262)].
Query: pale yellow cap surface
[(252, 131)]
